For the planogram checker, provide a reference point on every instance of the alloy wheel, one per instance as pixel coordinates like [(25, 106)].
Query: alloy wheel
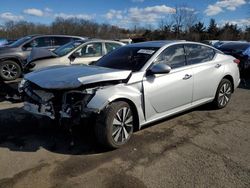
[(224, 94), (9, 71), (122, 125)]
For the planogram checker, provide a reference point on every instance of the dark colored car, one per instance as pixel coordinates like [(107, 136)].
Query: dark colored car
[(13, 56), (237, 50)]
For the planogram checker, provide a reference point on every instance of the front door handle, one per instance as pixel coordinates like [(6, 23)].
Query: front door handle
[(218, 65), (187, 76)]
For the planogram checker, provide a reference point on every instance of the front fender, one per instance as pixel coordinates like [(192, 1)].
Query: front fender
[(107, 95)]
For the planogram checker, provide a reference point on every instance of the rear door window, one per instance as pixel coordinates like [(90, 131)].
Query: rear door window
[(40, 42), (90, 50), (198, 53), (111, 46), (174, 56)]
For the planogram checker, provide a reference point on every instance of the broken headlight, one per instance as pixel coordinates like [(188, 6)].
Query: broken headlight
[(22, 85)]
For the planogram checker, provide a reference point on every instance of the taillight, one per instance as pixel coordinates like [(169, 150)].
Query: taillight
[(237, 61)]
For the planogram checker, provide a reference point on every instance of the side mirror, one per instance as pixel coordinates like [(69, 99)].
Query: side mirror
[(73, 56), (160, 68)]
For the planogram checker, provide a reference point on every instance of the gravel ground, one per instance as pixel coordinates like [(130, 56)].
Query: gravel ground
[(199, 148)]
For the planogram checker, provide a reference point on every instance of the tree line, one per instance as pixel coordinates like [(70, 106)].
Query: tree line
[(182, 25), (199, 32)]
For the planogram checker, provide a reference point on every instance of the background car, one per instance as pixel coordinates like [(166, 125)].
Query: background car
[(13, 56), (132, 86), (3, 42), (236, 49), (76, 52), (210, 42)]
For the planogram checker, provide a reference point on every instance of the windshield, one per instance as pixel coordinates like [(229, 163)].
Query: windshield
[(20, 41), (127, 58), (65, 49)]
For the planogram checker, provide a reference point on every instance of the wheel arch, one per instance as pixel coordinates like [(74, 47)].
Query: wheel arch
[(134, 109), (15, 59), (230, 78), (131, 95)]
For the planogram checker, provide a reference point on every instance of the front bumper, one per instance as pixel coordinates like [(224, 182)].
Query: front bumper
[(41, 109)]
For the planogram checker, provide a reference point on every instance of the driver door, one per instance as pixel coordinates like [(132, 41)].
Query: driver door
[(166, 93), (90, 52)]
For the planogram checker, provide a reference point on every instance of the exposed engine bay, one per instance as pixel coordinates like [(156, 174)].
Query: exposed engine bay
[(60, 104)]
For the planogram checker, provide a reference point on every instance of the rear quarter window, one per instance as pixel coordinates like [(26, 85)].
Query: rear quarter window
[(198, 53)]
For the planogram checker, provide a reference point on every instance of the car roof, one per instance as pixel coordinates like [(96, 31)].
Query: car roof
[(161, 43), (99, 40), (43, 35), (156, 44), (235, 45)]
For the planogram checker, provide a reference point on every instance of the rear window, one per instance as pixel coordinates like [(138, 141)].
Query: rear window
[(59, 41), (198, 53)]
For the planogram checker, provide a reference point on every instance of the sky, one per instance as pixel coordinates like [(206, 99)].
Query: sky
[(124, 13)]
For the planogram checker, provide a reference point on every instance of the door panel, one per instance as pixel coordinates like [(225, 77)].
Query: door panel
[(206, 80), (172, 90), (166, 92), (85, 60)]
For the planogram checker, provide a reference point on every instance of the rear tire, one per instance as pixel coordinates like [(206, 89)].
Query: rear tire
[(10, 70), (114, 126), (223, 94)]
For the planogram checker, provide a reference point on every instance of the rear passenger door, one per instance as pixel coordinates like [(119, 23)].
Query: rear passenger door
[(206, 71)]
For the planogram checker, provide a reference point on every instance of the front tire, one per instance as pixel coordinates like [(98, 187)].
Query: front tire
[(223, 94), (114, 126), (10, 70)]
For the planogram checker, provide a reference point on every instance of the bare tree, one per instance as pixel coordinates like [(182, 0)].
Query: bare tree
[(183, 19)]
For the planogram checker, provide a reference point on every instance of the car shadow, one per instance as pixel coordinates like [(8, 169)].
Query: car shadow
[(9, 91), (20, 131)]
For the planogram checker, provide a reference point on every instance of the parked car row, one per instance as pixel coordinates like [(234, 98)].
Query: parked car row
[(131, 86), (13, 56), (76, 52)]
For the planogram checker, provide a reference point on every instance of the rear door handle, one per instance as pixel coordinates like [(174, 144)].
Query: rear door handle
[(187, 76), (217, 65)]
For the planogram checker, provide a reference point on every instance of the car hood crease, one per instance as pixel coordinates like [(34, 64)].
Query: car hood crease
[(65, 77)]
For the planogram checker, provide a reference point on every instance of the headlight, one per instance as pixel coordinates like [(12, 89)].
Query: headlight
[(21, 85)]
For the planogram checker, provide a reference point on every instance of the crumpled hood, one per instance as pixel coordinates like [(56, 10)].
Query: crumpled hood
[(69, 77), (40, 53)]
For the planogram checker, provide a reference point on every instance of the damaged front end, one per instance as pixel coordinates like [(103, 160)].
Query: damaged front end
[(57, 104)]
